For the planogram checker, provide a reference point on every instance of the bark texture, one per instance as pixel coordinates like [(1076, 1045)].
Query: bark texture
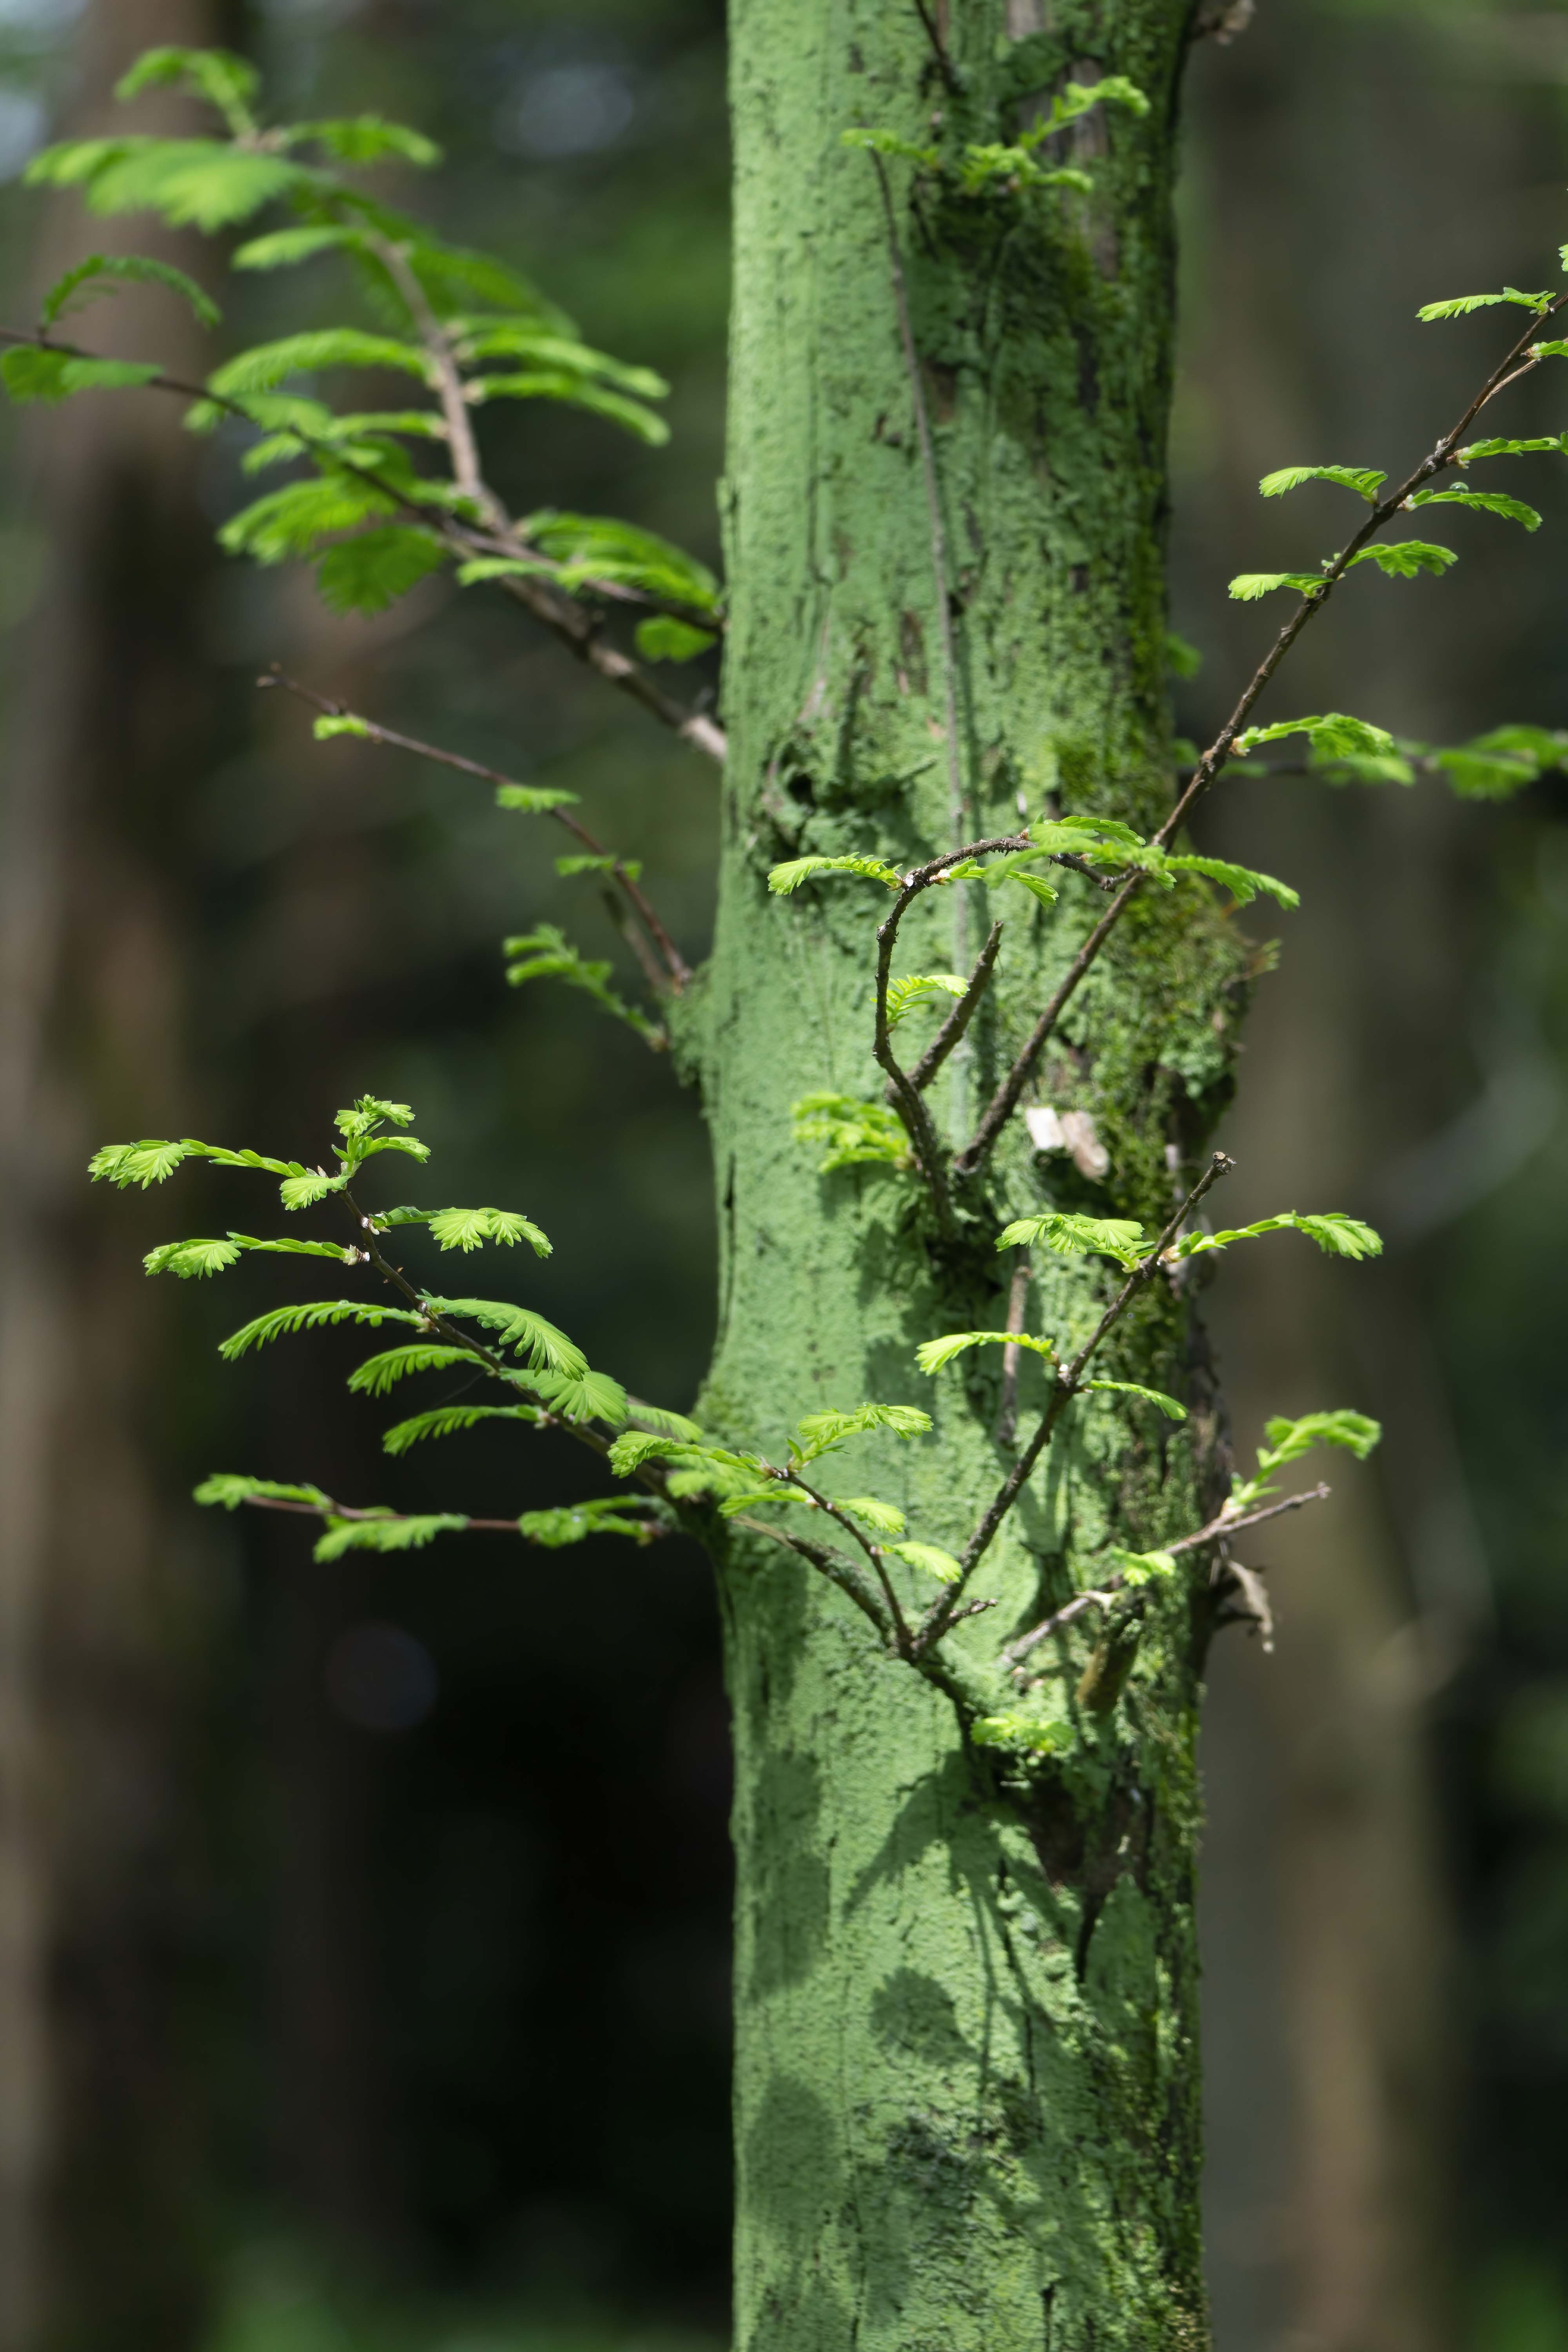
[(966, 2086)]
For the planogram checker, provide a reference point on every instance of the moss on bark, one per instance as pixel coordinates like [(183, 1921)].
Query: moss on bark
[(966, 2102)]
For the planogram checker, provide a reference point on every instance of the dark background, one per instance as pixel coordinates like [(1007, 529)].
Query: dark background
[(364, 1929)]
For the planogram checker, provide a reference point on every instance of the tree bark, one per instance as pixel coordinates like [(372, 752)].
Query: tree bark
[(101, 1623), (966, 2105)]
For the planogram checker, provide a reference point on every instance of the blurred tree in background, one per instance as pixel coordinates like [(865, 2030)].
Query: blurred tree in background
[(328, 1933)]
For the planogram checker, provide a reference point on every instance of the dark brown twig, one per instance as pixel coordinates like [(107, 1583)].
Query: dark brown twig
[(1515, 363), (1066, 1388), (1221, 1529), (958, 1020), (331, 1510), (678, 970), (901, 1091), (1216, 1531), (945, 64)]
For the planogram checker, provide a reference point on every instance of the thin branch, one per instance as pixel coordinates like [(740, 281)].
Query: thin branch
[(1066, 1388), (934, 500), (959, 1019), (1098, 1597), (578, 630), (455, 1336), (1004, 1101), (1220, 1529), (841, 1573), (677, 969), (1514, 364), (327, 1509), (1012, 1354), (945, 64), (872, 1551), (901, 1091), (1216, 1531)]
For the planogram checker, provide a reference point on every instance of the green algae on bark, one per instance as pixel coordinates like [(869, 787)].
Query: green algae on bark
[(966, 2101)]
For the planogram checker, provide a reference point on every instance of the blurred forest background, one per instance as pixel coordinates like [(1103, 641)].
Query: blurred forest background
[(359, 1990)]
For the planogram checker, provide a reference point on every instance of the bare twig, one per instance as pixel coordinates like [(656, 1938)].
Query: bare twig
[(901, 1091), (959, 1019), (1004, 1101), (327, 1509), (1066, 1388), (1221, 1529), (872, 1551), (945, 64), (1216, 1531), (1515, 363), (677, 971), (841, 1573)]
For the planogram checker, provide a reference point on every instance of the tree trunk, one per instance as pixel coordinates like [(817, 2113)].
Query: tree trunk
[(966, 2104), (102, 1626)]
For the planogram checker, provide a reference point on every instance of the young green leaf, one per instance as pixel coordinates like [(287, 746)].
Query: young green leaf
[(579, 862), (375, 568), (203, 184), (796, 870), (932, 1355), (31, 374), (187, 1258), (882, 1518), (103, 274), (1459, 306), (1338, 1235), (227, 81), (920, 988), (662, 1423), (1248, 586), (662, 639), (583, 1396), (548, 954), (267, 365), (469, 1229), (606, 1515), (1402, 559), (1181, 660), (929, 1559), (1241, 881), (228, 1491), (447, 1420), (857, 1134), (1021, 1731), (519, 1328), (288, 1248), (533, 800), (1555, 442), (310, 1315), (1167, 1405), (137, 1164), (1488, 501), (1365, 480), (378, 1374), (824, 1432), (1288, 1439), (1138, 1568), (1072, 1236), (1333, 735), (392, 1533), (366, 138)]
